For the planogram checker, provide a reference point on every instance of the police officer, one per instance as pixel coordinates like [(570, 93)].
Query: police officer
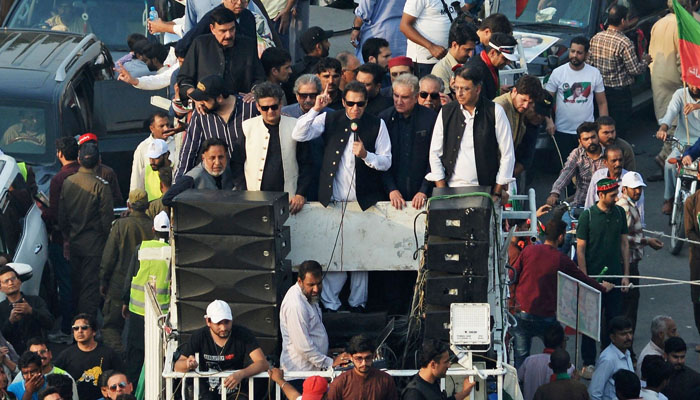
[(85, 217), (126, 234), (152, 257)]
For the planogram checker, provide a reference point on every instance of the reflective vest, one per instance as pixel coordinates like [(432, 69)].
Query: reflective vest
[(152, 183), (22, 169), (154, 259)]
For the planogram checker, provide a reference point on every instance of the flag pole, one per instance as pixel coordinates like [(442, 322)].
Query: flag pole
[(685, 116)]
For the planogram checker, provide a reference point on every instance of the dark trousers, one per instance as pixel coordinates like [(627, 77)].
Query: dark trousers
[(630, 300), (62, 271), (695, 289), (421, 70), (529, 326), (612, 307), (134, 346), (113, 324), (620, 108), (86, 283)]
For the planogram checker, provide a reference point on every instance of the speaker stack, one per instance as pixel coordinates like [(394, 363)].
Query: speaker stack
[(231, 246), (457, 256)]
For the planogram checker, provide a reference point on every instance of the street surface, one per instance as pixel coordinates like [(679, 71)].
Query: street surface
[(669, 300)]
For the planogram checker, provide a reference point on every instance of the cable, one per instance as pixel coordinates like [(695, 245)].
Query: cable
[(343, 207), (561, 161), (415, 234)]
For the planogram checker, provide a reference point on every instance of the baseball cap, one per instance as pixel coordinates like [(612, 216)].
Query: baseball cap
[(633, 180), (87, 137), (87, 151), (161, 223), (138, 198), (210, 87), (314, 388), (218, 310), (157, 148), (544, 105), (312, 36), (505, 44)]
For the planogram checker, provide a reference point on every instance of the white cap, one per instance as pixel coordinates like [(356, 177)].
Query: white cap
[(632, 180), (20, 268), (218, 310), (161, 223), (157, 148)]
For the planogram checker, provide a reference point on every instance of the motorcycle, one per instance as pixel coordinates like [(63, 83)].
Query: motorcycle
[(686, 185)]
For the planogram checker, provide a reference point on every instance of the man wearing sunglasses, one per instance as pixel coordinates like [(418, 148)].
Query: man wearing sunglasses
[(23, 316), (39, 346), (268, 158), (431, 93), (496, 55), (357, 150), (116, 384), (86, 360), (363, 382)]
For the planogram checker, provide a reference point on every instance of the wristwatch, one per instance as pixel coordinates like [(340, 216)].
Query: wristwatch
[(356, 28)]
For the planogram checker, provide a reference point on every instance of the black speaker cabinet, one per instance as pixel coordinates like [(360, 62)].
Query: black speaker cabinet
[(437, 323), (460, 217), (261, 319), (232, 251), (228, 212), (464, 257), (445, 289), (232, 285)]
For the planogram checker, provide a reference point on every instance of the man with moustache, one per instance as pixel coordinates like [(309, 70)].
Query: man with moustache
[(581, 163), (328, 71), (304, 338), (141, 178), (615, 357), (221, 117), (683, 378), (222, 346)]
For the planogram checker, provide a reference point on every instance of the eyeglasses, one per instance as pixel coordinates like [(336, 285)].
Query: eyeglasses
[(273, 107), (433, 96), (121, 385), (9, 280), (77, 328), (307, 95), (352, 104)]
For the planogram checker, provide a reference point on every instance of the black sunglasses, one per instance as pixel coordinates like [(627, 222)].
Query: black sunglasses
[(307, 95), (80, 327), (355, 103), (122, 385), (433, 96), (273, 107)]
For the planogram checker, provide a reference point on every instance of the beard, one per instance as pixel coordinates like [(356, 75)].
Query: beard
[(592, 148), (575, 61), (214, 108)]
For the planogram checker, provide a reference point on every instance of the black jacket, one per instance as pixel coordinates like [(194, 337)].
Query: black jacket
[(421, 123), (37, 324), (489, 88), (245, 25), (206, 57), (378, 103)]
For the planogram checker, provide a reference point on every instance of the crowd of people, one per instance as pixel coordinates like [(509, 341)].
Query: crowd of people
[(419, 105)]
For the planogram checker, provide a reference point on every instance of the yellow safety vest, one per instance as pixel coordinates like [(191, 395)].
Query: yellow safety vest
[(152, 184), (154, 259), (23, 169)]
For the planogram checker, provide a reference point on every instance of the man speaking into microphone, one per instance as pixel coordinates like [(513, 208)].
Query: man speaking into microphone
[(357, 150)]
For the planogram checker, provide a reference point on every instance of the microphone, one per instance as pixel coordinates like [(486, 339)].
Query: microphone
[(353, 128)]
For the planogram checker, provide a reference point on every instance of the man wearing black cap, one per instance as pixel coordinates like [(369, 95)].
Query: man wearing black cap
[(315, 44), (222, 52), (218, 115), (85, 216), (499, 53)]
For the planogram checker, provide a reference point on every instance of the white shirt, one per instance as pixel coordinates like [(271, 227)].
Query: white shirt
[(647, 394), (592, 194), (304, 338), (312, 124), (649, 350), (573, 109), (432, 23), (141, 161), (162, 78), (465, 165), (674, 113)]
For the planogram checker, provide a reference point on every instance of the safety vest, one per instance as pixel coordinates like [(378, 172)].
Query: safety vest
[(23, 169), (154, 259), (152, 184)]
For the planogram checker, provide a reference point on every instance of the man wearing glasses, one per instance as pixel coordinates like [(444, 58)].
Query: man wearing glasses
[(23, 316), (472, 143), (431, 93), (38, 346), (268, 159), (117, 384), (363, 382), (357, 150), (87, 359)]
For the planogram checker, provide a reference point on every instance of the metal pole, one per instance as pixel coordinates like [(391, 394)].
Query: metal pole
[(578, 335), (153, 360)]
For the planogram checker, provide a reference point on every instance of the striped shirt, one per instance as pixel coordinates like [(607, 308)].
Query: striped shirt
[(580, 165), (211, 125), (634, 227), (612, 52)]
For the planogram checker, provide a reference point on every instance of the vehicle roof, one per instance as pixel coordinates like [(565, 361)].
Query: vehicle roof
[(30, 59)]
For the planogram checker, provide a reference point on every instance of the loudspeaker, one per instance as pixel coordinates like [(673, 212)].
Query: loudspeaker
[(232, 252), (444, 289), (228, 212), (437, 323), (464, 257), (466, 217), (232, 285), (261, 319)]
